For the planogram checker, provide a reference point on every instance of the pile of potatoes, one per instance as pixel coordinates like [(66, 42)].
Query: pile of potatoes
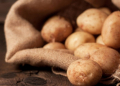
[(95, 41)]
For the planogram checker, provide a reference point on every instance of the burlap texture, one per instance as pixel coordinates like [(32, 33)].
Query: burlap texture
[(23, 23)]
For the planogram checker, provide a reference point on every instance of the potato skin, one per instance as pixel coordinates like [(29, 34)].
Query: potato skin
[(106, 57), (78, 38), (96, 3), (84, 73), (116, 3), (106, 10), (56, 29), (85, 50), (91, 20), (54, 45), (111, 30), (100, 40), (78, 29)]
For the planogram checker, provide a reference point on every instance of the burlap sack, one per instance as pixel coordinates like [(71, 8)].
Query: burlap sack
[(22, 31), (23, 24)]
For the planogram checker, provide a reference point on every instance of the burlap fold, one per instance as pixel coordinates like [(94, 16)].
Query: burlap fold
[(23, 23)]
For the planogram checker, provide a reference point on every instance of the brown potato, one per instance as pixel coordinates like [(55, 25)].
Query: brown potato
[(78, 38), (91, 20), (106, 57), (56, 29), (100, 40), (116, 3), (84, 73), (54, 45), (78, 29), (111, 30), (85, 50), (96, 3), (106, 10)]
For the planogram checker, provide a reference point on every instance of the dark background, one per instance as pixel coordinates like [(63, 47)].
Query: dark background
[(4, 7)]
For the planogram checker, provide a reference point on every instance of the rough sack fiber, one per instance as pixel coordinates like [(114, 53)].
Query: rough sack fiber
[(23, 23), (25, 19)]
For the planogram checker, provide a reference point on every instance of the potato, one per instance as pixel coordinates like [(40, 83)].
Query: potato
[(116, 3), (54, 45), (99, 40), (106, 10), (85, 50), (78, 38), (84, 73), (106, 57), (111, 30), (96, 3), (91, 20), (78, 29), (56, 29)]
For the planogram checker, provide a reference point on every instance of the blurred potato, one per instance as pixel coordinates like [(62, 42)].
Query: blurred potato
[(78, 29), (91, 20), (54, 45), (96, 3), (56, 29), (106, 57), (111, 30), (106, 10), (100, 40), (84, 73), (78, 38)]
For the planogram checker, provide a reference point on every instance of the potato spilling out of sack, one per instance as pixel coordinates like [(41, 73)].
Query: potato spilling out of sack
[(62, 34), (111, 30), (107, 58), (92, 20)]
